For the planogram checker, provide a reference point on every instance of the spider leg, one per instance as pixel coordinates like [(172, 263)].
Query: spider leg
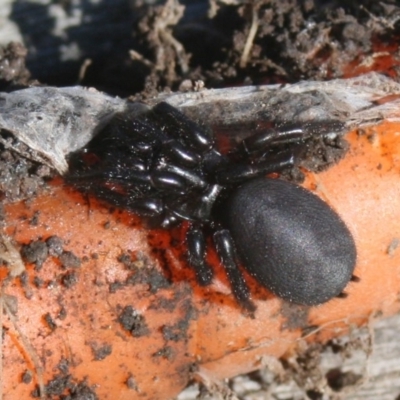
[(226, 250), (169, 220), (178, 152), (129, 176), (236, 173), (195, 208), (178, 126), (344, 295), (289, 134), (128, 172), (196, 256), (261, 140), (169, 182), (149, 207), (192, 178), (131, 190)]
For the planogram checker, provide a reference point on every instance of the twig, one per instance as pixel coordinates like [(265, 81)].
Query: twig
[(250, 37)]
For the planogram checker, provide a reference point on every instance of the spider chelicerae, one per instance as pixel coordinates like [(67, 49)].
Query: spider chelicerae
[(164, 167)]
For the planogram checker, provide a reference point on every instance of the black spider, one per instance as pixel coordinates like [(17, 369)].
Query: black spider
[(162, 166)]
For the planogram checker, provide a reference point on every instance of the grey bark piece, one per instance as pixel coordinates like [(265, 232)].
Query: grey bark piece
[(53, 122), (357, 102), (48, 123)]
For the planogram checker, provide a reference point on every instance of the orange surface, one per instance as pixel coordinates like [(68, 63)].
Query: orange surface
[(180, 328)]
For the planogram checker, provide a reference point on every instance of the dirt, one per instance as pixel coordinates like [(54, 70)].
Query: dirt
[(100, 351), (63, 386), (221, 44), (35, 252), (133, 322), (69, 260)]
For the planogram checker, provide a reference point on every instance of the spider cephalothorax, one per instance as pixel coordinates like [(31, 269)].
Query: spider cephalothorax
[(162, 166)]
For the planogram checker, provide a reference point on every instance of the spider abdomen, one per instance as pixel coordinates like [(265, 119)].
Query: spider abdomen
[(291, 241)]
